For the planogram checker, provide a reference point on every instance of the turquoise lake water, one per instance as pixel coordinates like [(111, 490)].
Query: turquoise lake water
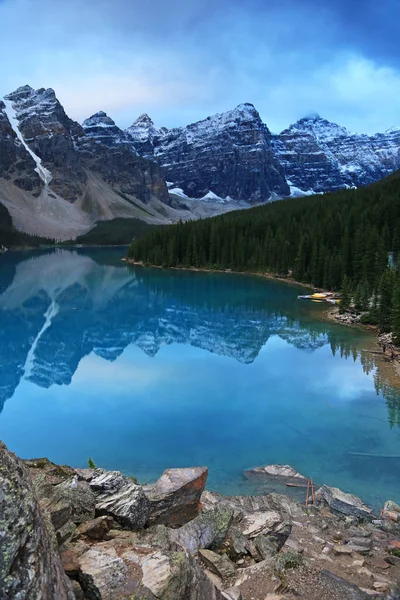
[(144, 369)]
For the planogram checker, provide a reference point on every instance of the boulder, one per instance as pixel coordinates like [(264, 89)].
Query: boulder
[(175, 498), (340, 502), (176, 576), (120, 498), (220, 564), (30, 566), (68, 504), (285, 472), (207, 530)]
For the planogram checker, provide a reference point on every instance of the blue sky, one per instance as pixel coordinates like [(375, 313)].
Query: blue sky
[(183, 60)]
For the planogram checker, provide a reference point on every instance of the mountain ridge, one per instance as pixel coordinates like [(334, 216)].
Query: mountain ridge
[(58, 178)]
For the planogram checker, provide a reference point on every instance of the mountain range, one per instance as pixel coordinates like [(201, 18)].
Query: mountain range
[(58, 177)]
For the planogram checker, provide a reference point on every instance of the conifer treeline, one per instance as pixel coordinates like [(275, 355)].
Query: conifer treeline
[(337, 239)]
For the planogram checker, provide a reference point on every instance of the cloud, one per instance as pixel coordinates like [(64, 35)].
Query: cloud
[(185, 60)]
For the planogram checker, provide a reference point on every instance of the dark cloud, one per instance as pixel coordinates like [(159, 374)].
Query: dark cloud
[(184, 59)]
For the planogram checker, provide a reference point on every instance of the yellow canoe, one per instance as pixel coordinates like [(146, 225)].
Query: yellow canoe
[(318, 296)]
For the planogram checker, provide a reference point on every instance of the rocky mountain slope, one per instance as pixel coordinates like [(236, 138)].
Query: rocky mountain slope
[(57, 177)]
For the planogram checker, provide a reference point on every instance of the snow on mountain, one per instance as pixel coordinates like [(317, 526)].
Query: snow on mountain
[(229, 153), (101, 129), (320, 156), (43, 173)]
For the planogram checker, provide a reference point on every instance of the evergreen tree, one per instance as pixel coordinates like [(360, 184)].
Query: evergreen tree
[(386, 287), (396, 312), (345, 298)]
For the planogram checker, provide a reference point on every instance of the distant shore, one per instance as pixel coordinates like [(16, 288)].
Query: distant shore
[(330, 314)]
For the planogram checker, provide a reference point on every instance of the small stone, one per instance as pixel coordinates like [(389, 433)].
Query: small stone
[(340, 550), (392, 515), (240, 561), (394, 545), (358, 563), (324, 526), (293, 545), (379, 564), (365, 542), (359, 532), (318, 539), (326, 550), (233, 593), (363, 550), (365, 572), (381, 586)]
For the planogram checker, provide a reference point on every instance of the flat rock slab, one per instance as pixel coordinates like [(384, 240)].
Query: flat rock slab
[(260, 522), (346, 504), (175, 498), (285, 472), (347, 590)]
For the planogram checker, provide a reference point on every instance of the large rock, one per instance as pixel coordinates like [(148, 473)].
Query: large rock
[(120, 498), (285, 472), (30, 566), (175, 498), (208, 530), (68, 503), (176, 576), (346, 504)]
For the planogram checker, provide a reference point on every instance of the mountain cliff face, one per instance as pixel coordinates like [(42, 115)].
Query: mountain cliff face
[(229, 155), (57, 177), (234, 156), (319, 156)]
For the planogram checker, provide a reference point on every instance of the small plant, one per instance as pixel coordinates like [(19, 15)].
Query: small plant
[(90, 463), (288, 560), (132, 478)]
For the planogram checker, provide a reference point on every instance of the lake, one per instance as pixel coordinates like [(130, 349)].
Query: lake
[(143, 369)]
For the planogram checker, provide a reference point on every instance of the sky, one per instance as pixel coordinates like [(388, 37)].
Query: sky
[(182, 60)]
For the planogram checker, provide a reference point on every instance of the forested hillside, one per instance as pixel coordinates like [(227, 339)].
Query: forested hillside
[(332, 241)]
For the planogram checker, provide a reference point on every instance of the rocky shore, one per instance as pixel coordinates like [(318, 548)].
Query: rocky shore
[(91, 534)]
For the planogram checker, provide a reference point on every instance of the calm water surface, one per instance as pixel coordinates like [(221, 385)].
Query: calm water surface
[(143, 369)]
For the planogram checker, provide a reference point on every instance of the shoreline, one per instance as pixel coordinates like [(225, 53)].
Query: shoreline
[(115, 534), (329, 314)]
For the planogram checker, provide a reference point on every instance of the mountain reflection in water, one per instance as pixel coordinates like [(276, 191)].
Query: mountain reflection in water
[(58, 307)]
